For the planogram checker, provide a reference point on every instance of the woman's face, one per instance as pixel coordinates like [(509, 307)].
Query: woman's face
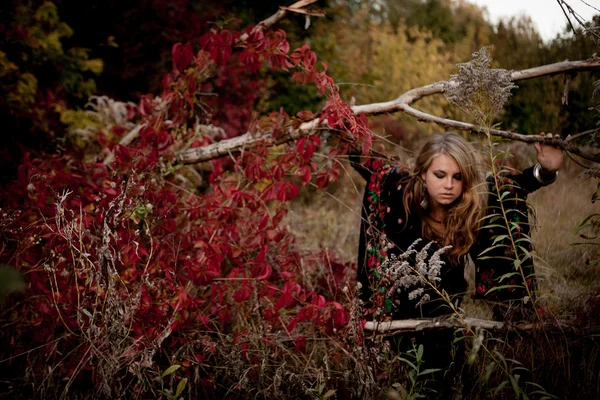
[(444, 181)]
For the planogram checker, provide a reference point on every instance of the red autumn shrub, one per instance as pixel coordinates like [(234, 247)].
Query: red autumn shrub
[(131, 268)]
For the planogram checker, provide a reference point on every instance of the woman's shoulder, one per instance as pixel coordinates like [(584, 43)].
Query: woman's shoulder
[(397, 175)]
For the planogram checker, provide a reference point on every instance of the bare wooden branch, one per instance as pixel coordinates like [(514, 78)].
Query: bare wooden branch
[(127, 139), (279, 15), (245, 141), (411, 325), (403, 104), (415, 325)]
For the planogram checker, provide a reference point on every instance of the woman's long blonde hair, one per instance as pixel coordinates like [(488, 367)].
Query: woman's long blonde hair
[(464, 217)]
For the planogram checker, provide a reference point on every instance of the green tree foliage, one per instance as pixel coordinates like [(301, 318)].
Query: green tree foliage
[(575, 115), (541, 104), (39, 76)]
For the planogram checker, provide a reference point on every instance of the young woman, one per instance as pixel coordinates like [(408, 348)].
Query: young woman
[(441, 202)]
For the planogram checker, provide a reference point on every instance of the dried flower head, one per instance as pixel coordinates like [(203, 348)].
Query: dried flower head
[(479, 90), (405, 273)]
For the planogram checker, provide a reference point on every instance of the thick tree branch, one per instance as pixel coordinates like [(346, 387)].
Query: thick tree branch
[(403, 103), (245, 141), (414, 325)]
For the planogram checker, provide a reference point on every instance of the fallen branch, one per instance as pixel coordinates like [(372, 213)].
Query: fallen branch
[(415, 325), (403, 104)]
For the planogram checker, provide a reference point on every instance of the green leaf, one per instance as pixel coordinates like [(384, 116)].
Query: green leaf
[(429, 371), (514, 381), (493, 226), (170, 370), (407, 362), (495, 218), (499, 388), (507, 275), (489, 370), (181, 387), (584, 243), (502, 287), (499, 238), (494, 258), (585, 221), (329, 394), (492, 248), (525, 239)]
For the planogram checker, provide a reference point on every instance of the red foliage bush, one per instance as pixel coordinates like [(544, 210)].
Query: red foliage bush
[(131, 268)]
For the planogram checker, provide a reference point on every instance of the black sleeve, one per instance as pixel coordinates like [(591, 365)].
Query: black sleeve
[(526, 181)]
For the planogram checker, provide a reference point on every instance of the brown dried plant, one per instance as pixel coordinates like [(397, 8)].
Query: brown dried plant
[(479, 90)]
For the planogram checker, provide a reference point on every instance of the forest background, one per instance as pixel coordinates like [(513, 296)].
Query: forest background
[(144, 278)]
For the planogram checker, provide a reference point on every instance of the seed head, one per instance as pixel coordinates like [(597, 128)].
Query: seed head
[(479, 90)]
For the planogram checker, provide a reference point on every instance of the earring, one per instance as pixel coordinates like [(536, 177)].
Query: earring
[(424, 203)]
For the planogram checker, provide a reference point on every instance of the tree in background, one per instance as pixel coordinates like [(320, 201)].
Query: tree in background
[(41, 77)]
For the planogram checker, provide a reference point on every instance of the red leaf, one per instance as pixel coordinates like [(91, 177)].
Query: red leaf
[(243, 293), (122, 154), (305, 173), (291, 327), (182, 56), (300, 343), (251, 60), (163, 141), (286, 191), (287, 296), (322, 180), (224, 317), (266, 272)]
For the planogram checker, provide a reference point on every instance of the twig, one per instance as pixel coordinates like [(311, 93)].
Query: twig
[(580, 134), (589, 5), (560, 3)]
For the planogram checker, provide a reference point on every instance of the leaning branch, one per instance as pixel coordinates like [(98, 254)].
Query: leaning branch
[(245, 141), (403, 104), (297, 7)]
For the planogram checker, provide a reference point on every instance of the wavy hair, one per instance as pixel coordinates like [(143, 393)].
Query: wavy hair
[(465, 215)]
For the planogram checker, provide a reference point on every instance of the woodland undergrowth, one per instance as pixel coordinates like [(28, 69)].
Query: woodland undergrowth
[(150, 278)]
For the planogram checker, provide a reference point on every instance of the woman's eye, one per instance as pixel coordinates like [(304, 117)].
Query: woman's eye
[(458, 177), (439, 176)]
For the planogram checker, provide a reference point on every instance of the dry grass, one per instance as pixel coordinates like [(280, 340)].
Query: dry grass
[(330, 219), (560, 208)]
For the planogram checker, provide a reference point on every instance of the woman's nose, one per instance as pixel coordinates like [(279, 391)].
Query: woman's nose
[(448, 183)]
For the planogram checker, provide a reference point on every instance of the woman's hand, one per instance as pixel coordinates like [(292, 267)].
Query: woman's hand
[(549, 157)]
